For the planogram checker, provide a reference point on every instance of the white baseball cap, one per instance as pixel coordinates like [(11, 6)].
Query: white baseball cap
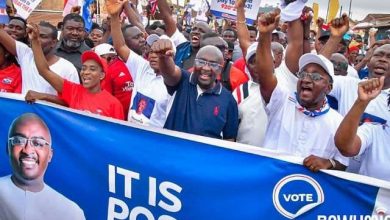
[(317, 59), (103, 49), (252, 51)]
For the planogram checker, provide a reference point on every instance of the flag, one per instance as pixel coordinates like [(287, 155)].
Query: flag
[(87, 14), (315, 11), (69, 4), (333, 9), (153, 6)]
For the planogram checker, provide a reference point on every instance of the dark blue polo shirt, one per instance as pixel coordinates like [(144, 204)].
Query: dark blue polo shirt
[(213, 114)]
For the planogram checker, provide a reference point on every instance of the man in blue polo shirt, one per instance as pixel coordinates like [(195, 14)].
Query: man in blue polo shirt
[(200, 104)]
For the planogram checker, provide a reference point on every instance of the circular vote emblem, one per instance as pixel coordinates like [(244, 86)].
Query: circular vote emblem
[(296, 194)]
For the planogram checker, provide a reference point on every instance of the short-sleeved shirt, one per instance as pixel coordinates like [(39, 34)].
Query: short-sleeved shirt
[(293, 132), (212, 113), (374, 144), (101, 103), (31, 80), (74, 56), (11, 79), (345, 90), (119, 83), (149, 89)]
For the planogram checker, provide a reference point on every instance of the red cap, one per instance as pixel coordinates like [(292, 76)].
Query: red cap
[(91, 55), (353, 48)]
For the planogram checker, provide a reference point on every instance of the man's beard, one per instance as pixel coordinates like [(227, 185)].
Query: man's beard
[(72, 44)]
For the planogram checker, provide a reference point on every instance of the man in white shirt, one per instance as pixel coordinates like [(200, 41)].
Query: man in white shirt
[(149, 87), (300, 124), (24, 194), (369, 138), (31, 80)]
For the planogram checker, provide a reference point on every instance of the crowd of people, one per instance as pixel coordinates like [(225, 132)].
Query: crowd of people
[(277, 84)]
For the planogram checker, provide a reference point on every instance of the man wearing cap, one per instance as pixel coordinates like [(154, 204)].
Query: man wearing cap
[(341, 48), (300, 124), (87, 97), (118, 80)]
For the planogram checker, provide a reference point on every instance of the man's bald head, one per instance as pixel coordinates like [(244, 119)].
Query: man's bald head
[(340, 64), (26, 119), (210, 50)]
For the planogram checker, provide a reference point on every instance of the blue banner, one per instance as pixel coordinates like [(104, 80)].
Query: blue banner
[(113, 170)]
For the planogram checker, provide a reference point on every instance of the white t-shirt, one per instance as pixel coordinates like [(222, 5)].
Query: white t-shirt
[(379, 107), (252, 115), (31, 80), (374, 143), (345, 90), (17, 204), (352, 72), (291, 131), (178, 38), (150, 90)]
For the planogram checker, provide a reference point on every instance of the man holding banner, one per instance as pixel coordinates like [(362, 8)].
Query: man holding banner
[(300, 124), (24, 194)]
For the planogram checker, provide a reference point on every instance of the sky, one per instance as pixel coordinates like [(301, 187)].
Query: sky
[(360, 8)]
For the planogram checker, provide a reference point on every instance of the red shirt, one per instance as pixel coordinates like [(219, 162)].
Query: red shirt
[(11, 79), (121, 83), (240, 64), (101, 103)]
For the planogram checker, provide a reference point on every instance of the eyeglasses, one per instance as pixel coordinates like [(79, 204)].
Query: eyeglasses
[(35, 142), (214, 66), (313, 76)]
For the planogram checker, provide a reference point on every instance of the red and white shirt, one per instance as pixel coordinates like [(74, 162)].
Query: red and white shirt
[(11, 79)]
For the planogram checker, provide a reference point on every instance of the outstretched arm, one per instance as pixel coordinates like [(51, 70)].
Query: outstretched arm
[(295, 45), (133, 16), (308, 17), (242, 29), (40, 61), (346, 140), (338, 27), (170, 72), (33, 96), (114, 8), (264, 61), (8, 42), (166, 15)]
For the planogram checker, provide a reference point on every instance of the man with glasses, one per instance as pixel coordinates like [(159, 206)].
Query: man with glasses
[(301, 123), (200, 104), (231, 77), (24, 194)]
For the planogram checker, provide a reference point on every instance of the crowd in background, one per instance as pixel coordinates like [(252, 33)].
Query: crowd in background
[(320, 94)]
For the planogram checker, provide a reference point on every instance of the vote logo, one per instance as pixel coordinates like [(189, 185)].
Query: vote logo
[(296, 194)]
